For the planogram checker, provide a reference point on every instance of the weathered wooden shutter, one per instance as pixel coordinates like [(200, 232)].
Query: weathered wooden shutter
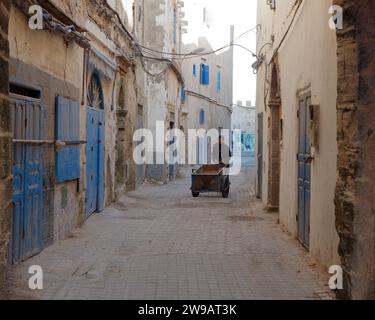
[(67, 130), (207, 75)]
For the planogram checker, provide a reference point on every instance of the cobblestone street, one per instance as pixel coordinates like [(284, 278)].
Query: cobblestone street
[(160, 243)]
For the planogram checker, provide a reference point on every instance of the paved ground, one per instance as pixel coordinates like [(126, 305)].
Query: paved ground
[(160, 243)]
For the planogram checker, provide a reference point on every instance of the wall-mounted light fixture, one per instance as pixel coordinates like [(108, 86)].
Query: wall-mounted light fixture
[(272, 4)]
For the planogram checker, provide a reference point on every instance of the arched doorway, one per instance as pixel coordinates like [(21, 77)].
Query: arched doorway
[(274, 105), (95, 146)]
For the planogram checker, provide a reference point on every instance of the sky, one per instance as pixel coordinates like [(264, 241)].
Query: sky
[(242, 14)]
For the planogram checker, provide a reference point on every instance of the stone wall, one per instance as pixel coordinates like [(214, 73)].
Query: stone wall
[(5, 143), (120, 169), (355, 192)]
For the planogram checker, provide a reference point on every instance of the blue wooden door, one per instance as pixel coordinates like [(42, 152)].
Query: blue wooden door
[(304, 173), (27, 180), (94, 161)]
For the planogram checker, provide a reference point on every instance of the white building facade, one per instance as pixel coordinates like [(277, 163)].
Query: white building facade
[(208, 91)]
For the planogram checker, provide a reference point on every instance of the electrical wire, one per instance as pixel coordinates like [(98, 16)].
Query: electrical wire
[(246, 32), (220, 49), (298, 3), (266, 83), (263, 46), (202, 54), (138, 46)]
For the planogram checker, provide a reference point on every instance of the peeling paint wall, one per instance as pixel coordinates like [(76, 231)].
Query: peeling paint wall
[(66, 208), (355, 192), (56, 75), (126, 107), (107, 37), (5, 143), (44, 60), (162, 99)]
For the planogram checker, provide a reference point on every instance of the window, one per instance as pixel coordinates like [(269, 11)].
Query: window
[(95, 98), (205, 74), (68, 131), (218, 81), (24, 91), (201, 117), (194, 71), (183, 94)]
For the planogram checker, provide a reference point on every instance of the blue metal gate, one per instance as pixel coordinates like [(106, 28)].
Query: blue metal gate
[(27, 179), (94, 161), (304, 172)]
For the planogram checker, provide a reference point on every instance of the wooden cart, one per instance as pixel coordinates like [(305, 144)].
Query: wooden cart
[(210, 178)]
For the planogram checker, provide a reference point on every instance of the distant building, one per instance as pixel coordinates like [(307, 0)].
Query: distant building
[(244, 120), (208, 91), (160, 89)]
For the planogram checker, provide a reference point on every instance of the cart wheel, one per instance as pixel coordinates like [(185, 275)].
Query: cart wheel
[(195, 194), (225, 193)]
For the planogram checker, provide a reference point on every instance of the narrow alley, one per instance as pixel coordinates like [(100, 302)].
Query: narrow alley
[(160, 243)]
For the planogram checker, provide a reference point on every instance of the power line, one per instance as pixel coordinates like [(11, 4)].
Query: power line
[(168, 61), (202, 54), (246, 32), (225, 47)]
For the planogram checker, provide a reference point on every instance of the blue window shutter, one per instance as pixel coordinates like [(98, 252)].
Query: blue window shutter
[(202, 74), (183, 95), (218, 81), (201, 117), (194, 70), (207, 75), (67, 129)]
